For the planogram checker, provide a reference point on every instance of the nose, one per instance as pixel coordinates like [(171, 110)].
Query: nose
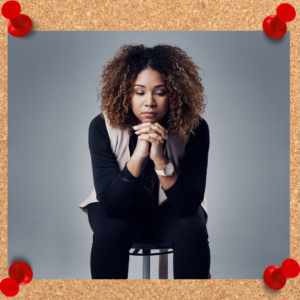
[(149, 100)]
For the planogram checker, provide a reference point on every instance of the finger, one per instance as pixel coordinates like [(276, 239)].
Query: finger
[(162, 127), (157, 137), (153, 128), (152, 138), (142, 125), (149, 125), (145, 140)]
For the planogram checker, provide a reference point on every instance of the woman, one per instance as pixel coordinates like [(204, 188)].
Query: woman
[(162, 80)]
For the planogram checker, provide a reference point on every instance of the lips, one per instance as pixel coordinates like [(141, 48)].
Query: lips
[(149, 114)]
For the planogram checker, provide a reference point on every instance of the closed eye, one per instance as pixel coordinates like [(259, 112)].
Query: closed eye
[(160, 94)]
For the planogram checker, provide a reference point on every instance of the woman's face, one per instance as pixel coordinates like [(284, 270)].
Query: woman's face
[(149, 94)]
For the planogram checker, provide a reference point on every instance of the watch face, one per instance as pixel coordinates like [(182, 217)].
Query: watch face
[(169, 168)]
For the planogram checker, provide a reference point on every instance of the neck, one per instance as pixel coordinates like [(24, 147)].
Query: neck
[(163, 122)]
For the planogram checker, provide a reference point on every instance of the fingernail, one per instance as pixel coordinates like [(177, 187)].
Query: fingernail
[(134, 127)]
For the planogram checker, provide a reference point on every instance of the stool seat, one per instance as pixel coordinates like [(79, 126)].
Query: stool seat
[(149, 242)]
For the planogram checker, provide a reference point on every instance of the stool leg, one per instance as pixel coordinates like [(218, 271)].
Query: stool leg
[(163, 265), (146, 264)]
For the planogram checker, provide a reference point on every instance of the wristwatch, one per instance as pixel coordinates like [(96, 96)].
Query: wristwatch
[(168, 170)]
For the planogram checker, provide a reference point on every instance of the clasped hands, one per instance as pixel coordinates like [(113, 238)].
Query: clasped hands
[(154, 134)]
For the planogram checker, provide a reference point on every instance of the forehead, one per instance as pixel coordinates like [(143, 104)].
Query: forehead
[(149, 77)]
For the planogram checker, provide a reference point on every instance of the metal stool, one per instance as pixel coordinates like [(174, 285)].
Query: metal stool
[(147, 242)]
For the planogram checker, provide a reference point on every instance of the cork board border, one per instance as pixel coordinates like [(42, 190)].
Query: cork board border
[(155, 15)]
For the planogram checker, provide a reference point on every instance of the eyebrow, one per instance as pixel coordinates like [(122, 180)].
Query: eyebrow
[(157, 86)]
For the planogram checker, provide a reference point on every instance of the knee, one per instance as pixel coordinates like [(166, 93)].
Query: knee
[(192, 231)]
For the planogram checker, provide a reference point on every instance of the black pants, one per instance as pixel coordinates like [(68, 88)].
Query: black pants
[(114, 236)]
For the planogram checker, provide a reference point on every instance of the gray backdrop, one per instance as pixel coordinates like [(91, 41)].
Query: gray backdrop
[(52, 99)]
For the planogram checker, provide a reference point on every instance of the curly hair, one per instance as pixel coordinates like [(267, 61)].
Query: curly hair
[(177, 70)]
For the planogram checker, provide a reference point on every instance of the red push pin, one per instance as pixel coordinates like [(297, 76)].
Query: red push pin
[(20, 273), (275, 277), (275, 25), (18, 24)]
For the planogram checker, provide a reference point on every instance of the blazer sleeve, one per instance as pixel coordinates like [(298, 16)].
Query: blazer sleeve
[(115, 190), (187, 193)]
